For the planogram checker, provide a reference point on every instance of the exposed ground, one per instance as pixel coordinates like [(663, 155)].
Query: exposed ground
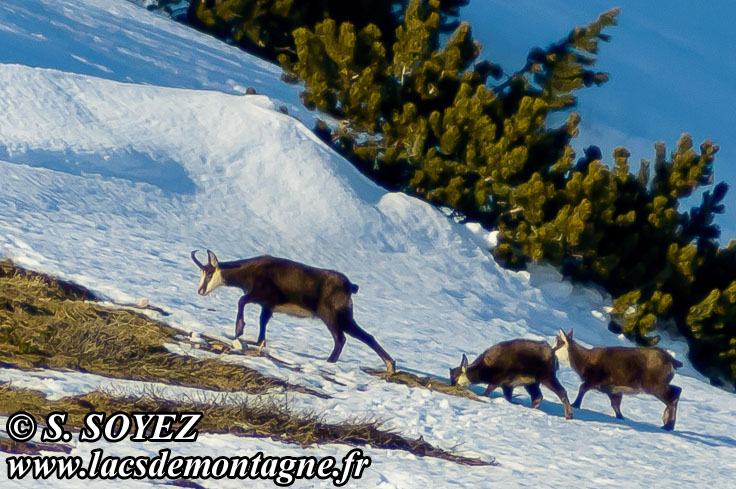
[(50, 323)]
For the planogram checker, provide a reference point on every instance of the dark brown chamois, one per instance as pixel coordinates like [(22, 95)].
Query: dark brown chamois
[(623, 370), (512, 364), (284, 286)]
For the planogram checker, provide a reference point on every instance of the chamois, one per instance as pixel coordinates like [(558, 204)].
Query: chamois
[(512, 364), (624, 370), (284, 286)]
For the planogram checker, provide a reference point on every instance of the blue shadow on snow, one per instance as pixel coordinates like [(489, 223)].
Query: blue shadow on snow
[(128, 164), (556, 409)]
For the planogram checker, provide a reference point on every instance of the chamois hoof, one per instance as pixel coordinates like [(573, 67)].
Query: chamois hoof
[(261, 345), (391, 367), (238, 345), (620, 416), (669, 426), (568, 416)]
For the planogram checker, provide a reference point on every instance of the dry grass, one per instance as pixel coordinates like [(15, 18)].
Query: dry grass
[(31, 448), (263, 419), (49, 323), (430, 383)]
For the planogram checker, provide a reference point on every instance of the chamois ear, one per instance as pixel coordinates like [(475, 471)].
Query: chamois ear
[(212, 258), (569, 333), (464, 362)]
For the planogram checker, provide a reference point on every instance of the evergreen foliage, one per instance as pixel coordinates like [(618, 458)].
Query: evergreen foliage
[(266, 26), (426, 116), (422, 118)]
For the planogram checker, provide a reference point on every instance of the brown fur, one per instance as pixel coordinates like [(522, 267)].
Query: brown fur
[(624, 370), (285, 286), (512, 364)]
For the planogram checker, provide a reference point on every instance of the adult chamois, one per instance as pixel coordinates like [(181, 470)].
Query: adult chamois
[(512, 364), (284, 286), (623, 370)]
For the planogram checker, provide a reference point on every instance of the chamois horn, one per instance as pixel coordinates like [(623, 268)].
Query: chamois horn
[(194, 257)]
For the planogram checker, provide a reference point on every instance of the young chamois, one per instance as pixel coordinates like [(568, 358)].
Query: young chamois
[(623, 370), (284, 286), (512, 364)]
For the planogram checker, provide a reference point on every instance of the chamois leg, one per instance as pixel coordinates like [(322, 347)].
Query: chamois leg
[(535, 393), (554, 385), (616, 404), (266, 314), (348, 325), (339, 338), (507, 392), (489, 389), (239, 323), (584, 387), (670, 397)]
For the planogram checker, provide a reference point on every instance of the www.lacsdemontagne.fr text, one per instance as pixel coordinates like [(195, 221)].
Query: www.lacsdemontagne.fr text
[(283, 471), (160, 427)]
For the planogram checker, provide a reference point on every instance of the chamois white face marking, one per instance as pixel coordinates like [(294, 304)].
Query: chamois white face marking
[(562, 353), (462, 379), (459, 375), (563, 356), (211, 280)]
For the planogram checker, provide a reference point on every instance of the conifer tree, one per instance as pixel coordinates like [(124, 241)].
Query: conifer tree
[(427, 117), (266, 26), (421, 118)]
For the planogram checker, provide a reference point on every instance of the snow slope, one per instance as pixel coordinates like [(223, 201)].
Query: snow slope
[(115, 167)]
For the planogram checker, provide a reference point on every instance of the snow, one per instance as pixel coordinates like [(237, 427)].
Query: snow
[(110, 177)]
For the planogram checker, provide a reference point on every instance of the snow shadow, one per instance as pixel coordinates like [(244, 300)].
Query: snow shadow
[(128, 164), (555, 408), (645, 427)]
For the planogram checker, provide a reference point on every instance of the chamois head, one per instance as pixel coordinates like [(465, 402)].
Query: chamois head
[(561, 346), (459, 375), (211, 274)]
